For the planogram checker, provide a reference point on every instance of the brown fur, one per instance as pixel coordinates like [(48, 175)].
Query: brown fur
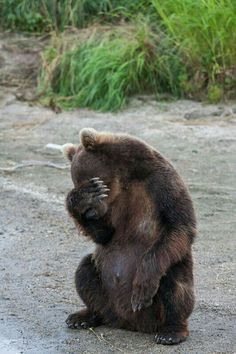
[(140, 275)]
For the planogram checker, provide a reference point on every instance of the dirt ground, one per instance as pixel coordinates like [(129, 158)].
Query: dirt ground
[(40, 248)]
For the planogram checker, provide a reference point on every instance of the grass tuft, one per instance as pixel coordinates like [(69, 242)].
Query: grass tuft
[(205, 33), (104, 71)]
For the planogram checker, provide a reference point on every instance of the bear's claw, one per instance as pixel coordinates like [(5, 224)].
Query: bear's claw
[(99, 188), (169, 338), (76, 321)]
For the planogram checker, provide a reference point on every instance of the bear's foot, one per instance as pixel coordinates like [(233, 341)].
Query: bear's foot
[(83, 320), (170, 338)]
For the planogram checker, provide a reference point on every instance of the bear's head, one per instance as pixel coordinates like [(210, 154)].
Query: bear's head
[(90, 159), (116, 159)]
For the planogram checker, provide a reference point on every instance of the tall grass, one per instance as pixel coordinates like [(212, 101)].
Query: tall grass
[(205, 33), (103, 72), (46, 15)]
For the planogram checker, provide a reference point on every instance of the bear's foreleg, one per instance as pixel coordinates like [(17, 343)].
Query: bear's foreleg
[(88, 208), (170, 248)]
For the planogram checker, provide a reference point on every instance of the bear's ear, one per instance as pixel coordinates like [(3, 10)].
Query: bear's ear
[(69, 150), (89, 138)]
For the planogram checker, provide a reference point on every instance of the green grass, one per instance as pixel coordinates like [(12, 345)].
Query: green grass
[(185, 48), (47, 15), (205, 33), (103, 72)]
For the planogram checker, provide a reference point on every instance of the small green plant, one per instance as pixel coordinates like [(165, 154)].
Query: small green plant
[(15, 15), (214, 93)]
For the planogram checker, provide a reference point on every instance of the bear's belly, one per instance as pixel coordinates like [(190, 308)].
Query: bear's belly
[(117, 275)]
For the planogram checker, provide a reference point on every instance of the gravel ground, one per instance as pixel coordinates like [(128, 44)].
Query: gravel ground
[(40, 248)]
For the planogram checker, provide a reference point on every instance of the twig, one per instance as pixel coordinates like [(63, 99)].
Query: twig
[(101, 338), (31, 163)]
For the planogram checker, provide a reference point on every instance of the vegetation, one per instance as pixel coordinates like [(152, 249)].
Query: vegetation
[(185, 48), (103, 71), (47, 15), (205, 33)]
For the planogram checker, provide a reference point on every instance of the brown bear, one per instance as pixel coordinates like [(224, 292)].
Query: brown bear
[(133, 204)]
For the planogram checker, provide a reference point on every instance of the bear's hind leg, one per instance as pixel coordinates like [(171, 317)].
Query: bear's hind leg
[(89, 288), (176, 294)]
